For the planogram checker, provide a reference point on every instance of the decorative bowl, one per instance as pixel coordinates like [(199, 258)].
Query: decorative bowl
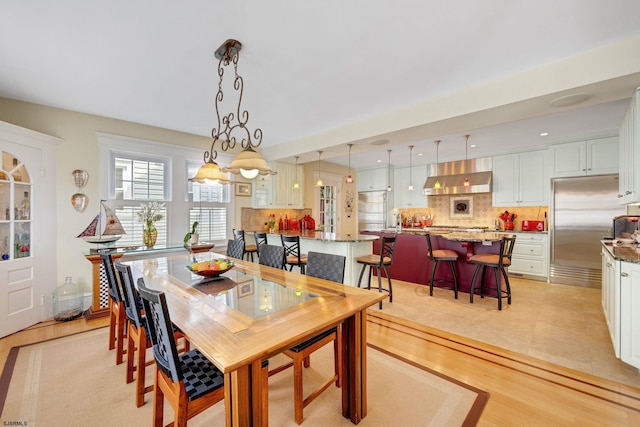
[(210, 272)]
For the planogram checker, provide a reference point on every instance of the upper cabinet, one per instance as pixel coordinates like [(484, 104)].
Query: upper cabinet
[(402, 196), (629, 151), (521, 179), (276, 191), (373, 179), (592, 157)]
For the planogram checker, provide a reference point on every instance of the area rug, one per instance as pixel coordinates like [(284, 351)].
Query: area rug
[(73, 381)]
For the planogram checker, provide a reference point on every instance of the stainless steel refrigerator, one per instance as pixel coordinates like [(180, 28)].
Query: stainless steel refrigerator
[(582, 211), (372, 211)]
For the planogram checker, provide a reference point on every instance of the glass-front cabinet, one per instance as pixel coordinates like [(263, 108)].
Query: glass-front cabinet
[(15, 205)]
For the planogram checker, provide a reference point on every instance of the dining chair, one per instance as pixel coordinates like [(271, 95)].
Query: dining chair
[(271, 255), (190, 382), (328, 267), (137, 334), (379, 262), (235, 249), (260, 239), (117, 317), (293, 256), (498, 262), (249, 250), (442, 255)]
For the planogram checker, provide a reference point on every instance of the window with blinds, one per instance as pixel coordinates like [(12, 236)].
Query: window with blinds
[(209, 205)]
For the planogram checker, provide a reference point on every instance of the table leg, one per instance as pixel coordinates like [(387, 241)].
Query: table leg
[(354, 368), (244, 401)]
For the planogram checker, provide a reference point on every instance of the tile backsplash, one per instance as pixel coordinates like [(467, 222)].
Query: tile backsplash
[(482, 212), (254, 219)]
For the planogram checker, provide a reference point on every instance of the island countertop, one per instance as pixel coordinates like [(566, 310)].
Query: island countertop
[(626, 253), (328, 237)]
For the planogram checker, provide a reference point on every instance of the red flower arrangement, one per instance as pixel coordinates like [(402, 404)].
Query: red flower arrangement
[(508, 217)]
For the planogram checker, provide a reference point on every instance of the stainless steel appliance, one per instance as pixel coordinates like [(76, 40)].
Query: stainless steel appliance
[(372, 211), (582, 210)]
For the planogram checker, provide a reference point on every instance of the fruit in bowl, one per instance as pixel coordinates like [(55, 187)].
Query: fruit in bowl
[(211, 268)]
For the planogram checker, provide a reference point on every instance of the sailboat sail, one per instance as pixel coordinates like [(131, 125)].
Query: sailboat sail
[(104, 228)]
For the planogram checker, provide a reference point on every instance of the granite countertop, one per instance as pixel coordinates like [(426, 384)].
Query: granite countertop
[(472, 237), (627, 253), (421, 230), (330, 237)]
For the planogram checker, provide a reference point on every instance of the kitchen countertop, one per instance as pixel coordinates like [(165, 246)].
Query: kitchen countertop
[(329, 237), (627, 253)]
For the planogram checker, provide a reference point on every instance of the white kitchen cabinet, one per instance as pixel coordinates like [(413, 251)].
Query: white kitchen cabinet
[(629, 135), (629, 313), (276, 191), (521, 179), (611, 297), (531, 255), (591, 157), (284, 195), (402, 196), (372, 179), (262, 194)]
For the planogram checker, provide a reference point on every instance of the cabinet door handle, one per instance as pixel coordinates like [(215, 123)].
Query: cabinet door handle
[(608, 264), (623, 274)]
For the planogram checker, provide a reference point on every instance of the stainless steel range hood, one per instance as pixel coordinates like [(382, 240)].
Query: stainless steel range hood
[(451, 177)]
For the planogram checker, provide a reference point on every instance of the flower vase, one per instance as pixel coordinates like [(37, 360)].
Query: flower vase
[(508, 225), (149, 236)]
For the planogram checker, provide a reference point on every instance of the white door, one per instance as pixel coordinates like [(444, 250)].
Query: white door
[(20, 237)]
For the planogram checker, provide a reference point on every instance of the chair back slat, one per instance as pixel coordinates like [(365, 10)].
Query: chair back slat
[(235, 249), (238, 234), (114, 289), (160, 329), (271, 256), (387, 248), (506, 248), (326, 266), (429, 247), (130, 295), (261, 239), (291, 246)]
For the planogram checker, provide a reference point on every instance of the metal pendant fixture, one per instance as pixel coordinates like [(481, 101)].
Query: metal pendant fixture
[(349, 179), (232, 127), (410, 188), (296, 184), (319, 183), (466, 182), (437, 185), (389, 188)]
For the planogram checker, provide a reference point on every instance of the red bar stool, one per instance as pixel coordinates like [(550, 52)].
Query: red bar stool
[(448, 256), (498, 262)]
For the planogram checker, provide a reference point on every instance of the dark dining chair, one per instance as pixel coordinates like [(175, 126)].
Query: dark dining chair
[(117, 317), (249, 250), (380, 263), (235, 249), (293, 256), (499, 262), (190, 381), (260, 239), (328, 267), (271, 256)]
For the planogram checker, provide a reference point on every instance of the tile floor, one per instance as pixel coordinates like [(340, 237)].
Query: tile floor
[(561, 324)]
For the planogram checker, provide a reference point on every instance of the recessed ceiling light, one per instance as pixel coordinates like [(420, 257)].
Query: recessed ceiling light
[(419, 154), (379, 142), (472, 146), (544, 134), (379, 161), (574, 98)]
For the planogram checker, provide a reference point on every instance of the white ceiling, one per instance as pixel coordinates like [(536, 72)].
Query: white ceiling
[(319, 75)]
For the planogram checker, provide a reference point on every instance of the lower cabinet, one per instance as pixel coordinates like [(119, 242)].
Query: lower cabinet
[(629, 313), (531, 255), (611, 297)]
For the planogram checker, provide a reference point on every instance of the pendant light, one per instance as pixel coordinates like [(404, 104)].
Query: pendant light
[(389, 171), (319, 183), (466, 182), (349, 179), (437, 185), (296, 184), (410, 188)]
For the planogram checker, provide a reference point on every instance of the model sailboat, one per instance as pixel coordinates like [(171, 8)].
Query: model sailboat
[(105, 227)]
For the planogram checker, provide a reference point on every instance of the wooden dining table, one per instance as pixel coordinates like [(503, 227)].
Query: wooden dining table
[(253, 312)]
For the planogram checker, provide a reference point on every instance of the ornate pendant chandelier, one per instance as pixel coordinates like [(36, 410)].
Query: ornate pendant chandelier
[(232, 127)]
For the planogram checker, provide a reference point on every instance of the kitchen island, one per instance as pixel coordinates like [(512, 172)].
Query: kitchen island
[(411, 263), (350, 246)]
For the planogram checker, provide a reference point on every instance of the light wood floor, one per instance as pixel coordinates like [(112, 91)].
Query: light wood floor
[(524, 390)]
